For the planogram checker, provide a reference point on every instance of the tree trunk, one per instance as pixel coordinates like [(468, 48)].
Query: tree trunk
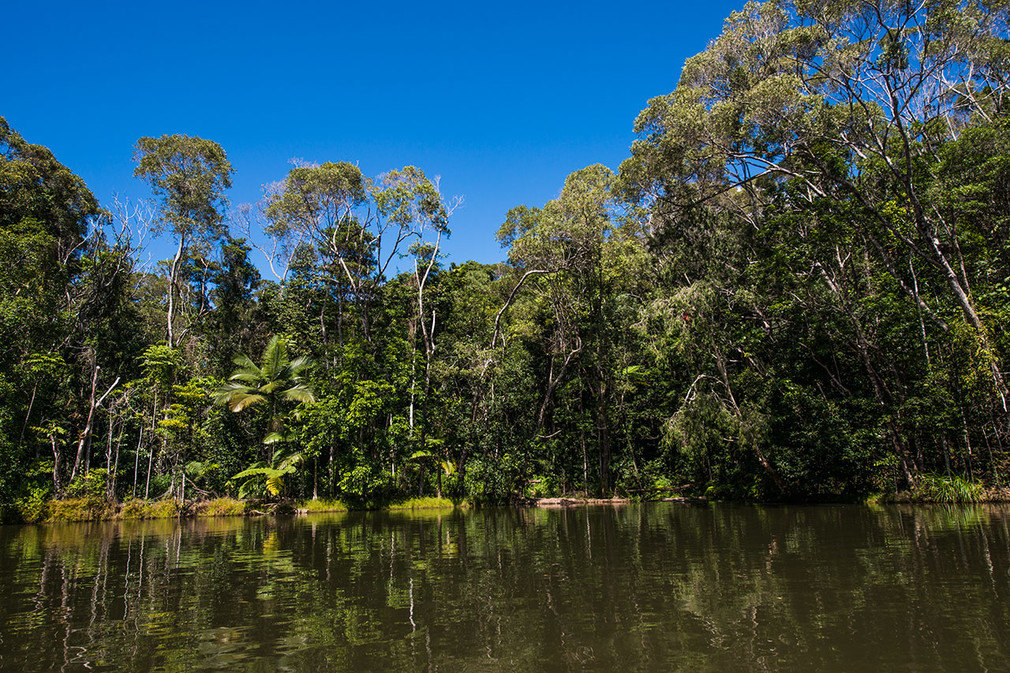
[(86, 433), (172, 278), (136, 461)]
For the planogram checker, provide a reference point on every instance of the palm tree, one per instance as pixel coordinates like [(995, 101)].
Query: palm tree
[(277, 380), (268, 476)]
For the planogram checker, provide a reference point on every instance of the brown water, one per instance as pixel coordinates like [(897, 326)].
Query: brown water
[(661, 587)]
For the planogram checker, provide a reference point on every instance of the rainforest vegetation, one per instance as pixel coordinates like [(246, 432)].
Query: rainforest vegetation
[(797, 285)]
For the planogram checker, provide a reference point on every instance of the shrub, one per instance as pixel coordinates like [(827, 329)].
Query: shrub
[(89, 485), (163, 509), (135, 508), (542, 487), (35, 507), (367, 485)]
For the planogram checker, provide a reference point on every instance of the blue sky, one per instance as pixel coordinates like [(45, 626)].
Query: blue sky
[(501, 100)]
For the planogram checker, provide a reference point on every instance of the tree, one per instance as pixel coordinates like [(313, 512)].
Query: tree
[(278, 380), (189, 175), (572, 251), (360, 226), (62, 280), (851, 101)]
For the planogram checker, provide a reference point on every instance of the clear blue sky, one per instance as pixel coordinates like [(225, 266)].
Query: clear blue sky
[(501, 100)]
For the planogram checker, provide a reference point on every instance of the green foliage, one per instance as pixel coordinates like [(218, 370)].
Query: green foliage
[(423, 503), (79, 509), (277, 381), (542, 487), (221, 507), (366, 485), (135, 508), (91, 485), (34, 508), (322, 505), (953, 489), (189, 175), (267, 480)]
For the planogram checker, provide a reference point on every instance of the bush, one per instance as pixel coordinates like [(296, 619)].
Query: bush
[(89, 485), (542, 487), (134, 508), (35, 507), (367, 485), (494, 482)]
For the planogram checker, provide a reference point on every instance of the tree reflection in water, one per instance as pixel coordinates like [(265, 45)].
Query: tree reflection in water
[(636, 588)]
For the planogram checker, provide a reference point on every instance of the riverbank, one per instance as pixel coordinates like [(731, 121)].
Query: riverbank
[(587, 502), (98, 509), (85, 509), (929, 490)]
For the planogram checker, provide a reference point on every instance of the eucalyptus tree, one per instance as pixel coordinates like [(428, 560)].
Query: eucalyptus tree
[(189, 175), (577, 253), (851, 100), (360, 225), (838, 112)]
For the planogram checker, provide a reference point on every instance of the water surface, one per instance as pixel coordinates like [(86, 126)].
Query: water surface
[(656, 587)]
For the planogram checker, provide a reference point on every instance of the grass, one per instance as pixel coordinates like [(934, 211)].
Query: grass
[(221, 507), (424, 503), (322, 505), (134, 508), (79, 509), (932, 488)]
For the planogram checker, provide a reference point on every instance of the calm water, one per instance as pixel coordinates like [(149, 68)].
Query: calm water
[(638, 588)]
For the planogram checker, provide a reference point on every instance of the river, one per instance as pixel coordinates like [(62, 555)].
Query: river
[(652, 587)]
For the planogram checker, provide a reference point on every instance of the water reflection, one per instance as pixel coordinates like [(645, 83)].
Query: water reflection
[(637, 588)]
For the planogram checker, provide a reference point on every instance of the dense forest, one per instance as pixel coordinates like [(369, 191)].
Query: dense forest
[(795, 286)]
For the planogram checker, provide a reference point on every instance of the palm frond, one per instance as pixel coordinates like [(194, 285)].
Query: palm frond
[(224, 394), (242, 400), (251, 377), (274, 357), (298, 364), (300, 393), (243, 361), (255, 471)]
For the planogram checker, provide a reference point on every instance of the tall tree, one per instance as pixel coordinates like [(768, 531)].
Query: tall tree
[(360, 226), (850, 99), (189, 175)]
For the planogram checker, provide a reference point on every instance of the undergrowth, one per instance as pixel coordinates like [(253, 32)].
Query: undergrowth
[(424, 503), (221, 507), (322, 505), (934, 488)]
